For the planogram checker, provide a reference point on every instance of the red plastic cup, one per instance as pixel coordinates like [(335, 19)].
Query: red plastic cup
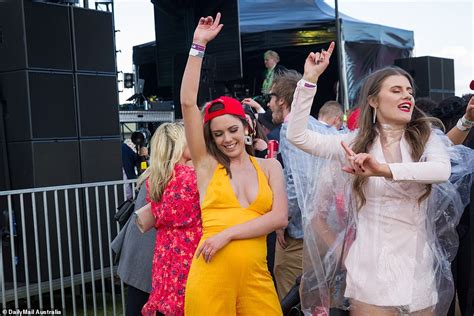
[(272, 150)]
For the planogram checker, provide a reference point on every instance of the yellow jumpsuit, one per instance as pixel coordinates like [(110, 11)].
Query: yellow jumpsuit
[(236, 281)]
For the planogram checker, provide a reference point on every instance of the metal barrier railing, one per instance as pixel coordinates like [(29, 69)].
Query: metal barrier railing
[(55, 248)]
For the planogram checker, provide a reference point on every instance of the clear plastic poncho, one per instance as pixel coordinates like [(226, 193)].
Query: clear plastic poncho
[(392, 254)]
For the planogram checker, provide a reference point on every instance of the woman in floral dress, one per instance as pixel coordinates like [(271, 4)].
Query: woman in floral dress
[(172, 192)]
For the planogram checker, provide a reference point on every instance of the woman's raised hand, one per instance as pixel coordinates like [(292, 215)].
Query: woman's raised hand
[(364, 164), (207, 29), (316, 63), (470, 110), (254, 104)]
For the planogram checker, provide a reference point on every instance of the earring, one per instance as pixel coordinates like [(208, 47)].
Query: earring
[(374, 118), (248, 140)]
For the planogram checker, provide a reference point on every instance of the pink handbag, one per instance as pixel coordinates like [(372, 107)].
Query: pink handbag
[(144, 218)]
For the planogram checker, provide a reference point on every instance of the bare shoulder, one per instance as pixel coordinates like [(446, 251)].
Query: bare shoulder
[(269, 166)]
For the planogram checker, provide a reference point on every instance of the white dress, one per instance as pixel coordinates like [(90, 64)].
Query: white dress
[(390, 262)]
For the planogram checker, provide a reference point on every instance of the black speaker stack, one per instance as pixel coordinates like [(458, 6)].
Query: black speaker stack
[(434, 76), (175, 22), (58, 95), (59, 125)]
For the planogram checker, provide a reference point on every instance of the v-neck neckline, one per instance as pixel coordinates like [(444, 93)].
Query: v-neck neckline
[(254, 164), (403, 150)]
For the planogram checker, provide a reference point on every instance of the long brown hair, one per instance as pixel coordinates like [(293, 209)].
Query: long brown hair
[(417, 131), (211, 146)]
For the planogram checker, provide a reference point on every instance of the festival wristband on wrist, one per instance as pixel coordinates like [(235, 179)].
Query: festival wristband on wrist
[(197, 50), (466, 122), (464, 125), (308, 84)]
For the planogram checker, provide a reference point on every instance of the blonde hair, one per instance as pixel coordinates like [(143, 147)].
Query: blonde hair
[(167, 147), (272, 54)]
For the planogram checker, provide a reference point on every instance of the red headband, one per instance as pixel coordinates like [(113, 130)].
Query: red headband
[(231, 106)]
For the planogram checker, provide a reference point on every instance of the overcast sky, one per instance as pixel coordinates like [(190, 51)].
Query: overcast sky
[(442, 28)]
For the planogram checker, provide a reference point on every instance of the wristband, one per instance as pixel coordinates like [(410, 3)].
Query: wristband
[(466, 122), (197, 50), (462, 125), (308, 84)]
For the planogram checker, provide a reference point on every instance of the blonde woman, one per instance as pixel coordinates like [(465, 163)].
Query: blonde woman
[(172, 191)]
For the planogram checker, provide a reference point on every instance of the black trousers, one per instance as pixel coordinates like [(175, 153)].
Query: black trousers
[(135, 300), (462, 266)]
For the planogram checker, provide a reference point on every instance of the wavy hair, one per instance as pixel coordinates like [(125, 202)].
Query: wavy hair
[(417, 131), (167, 147)]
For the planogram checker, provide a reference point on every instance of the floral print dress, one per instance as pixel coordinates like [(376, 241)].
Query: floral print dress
[(179, 229)]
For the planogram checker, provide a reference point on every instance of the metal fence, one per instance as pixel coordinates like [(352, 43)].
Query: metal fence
[(55, 249)]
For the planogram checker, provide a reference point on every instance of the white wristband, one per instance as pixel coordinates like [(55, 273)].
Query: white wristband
[(196, 53), (463, 127), (466, 122), (197, 50)]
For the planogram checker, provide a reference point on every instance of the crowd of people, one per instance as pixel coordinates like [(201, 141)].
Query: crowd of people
[(363, 216)]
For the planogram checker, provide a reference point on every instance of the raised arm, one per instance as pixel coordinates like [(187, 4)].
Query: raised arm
[(275, 219), (298, 133), (459, 132), (206, 31), (254, 104)]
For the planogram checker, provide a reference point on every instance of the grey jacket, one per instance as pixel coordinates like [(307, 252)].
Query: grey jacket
[(135, 250)]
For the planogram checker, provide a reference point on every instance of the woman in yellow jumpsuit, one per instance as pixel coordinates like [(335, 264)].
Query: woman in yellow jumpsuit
[(242, 200)]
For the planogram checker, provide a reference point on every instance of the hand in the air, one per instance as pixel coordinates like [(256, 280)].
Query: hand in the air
[(364, 164), (207, 29), (316, 63), (470, 110), (254, 104), (212, 245)]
